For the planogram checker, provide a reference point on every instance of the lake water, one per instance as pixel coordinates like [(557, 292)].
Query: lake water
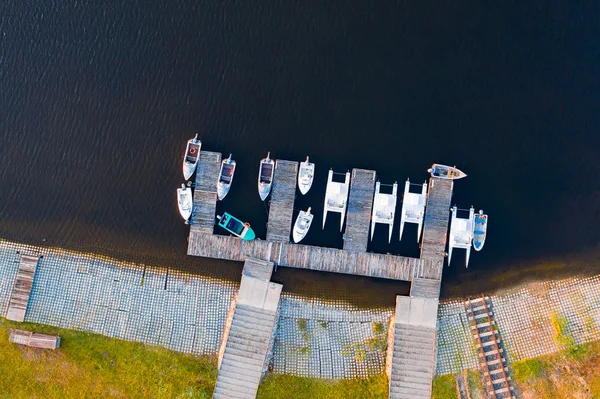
[(97, 100)]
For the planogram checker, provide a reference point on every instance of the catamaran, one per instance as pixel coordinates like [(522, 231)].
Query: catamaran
[(236, 227), (265, 176), (461, 234), (446, 172), (302, 225), (336, 197), (305, 176), (185, 201), (479, 230), (190, 159), (413, 208), (225, 177), (384, 209)]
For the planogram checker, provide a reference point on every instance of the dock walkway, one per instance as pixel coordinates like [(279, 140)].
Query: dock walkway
[(249, 335), (414, 348), (281, 207), (205, 192), (360, 204), (19, 298)]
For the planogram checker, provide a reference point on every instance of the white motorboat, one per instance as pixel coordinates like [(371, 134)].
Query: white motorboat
[(185, 201), (336, 197), (305, 176), (225, 177), (479, 230), (384, 209), (461, 234), (190, 159), (303, 222), (446, 172), (265, 176), (413, 208)]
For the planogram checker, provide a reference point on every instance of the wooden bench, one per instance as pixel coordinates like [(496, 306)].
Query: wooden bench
[(34, 340)]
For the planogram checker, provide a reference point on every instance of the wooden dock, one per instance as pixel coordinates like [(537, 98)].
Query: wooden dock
[(19, 298), (303, 256), (360, 204), (205, 192), (413, 356), (34, 340), (249, 334), (281, 207), (435, 228)]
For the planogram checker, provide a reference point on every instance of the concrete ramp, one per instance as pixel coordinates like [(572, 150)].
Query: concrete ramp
[(248, 337), (414, 346)]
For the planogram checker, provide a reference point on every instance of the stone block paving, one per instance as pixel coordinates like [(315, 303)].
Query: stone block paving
[(455, 346)]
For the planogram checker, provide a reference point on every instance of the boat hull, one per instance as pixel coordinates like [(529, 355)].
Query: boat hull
[(226, 175), (305, 176), (185, 202), (446, 172), (222, 190), (188, 170), (190, 157), (266, 171), (300, 230), (236, 227), (479, 231)]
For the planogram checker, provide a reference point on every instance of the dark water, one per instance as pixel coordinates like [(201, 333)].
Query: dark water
[(98, 98)]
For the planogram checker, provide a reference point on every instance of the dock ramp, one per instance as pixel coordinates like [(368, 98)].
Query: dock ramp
[(19, 298), (248, 338), (413, 349)]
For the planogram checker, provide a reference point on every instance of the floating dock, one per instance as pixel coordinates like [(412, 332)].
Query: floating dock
[(19, 298), (248, 337), (281, 207), (360, 204), (205, 192)]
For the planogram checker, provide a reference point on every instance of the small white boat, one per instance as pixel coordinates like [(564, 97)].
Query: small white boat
[(336, 197), (185, 201), (305, 176), (225, 177), (461, 234), (479, 230), (384, 209), (265, 176), (446, 172), (190, 159), (303, 222), (413, 208)]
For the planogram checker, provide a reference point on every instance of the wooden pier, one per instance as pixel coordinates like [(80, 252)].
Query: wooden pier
[(249, 334), (19, 298), (360, 204), (281, 207), (205, 192)]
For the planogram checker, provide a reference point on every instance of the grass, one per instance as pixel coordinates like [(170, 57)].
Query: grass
[(277, 386), (444, 387), (574, 372), (94, 366)]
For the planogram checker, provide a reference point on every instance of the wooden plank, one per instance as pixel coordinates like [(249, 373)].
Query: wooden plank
[(360, 204), (281, 206), (19, 297), (205, 192), (34, 340)]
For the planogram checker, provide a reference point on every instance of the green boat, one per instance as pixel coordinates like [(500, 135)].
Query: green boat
[(236, 227)]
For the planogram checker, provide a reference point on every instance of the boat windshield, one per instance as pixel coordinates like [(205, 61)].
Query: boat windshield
[(235, 226), (265, 173), (227, 173), (192, 153)]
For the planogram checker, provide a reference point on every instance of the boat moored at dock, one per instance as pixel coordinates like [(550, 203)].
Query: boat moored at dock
[(302, 225), (446, 172), (413, 208), (265, 176), (185, 201), (479, 230), (190, 159), (384, 209), (461, 233), (236, 227), (305, 176), (225, 177), (336, 197)]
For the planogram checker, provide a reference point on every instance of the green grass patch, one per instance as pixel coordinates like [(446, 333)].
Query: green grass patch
[(527, 370), (278, 386), (444, 387), (93, 366)]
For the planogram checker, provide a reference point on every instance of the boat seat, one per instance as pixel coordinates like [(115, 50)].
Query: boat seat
[(479, 232)]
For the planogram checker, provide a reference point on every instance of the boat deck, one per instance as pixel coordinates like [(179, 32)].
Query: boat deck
[(19, 298), (205, 193), (281, 207), (435, 227), (360, 203)]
